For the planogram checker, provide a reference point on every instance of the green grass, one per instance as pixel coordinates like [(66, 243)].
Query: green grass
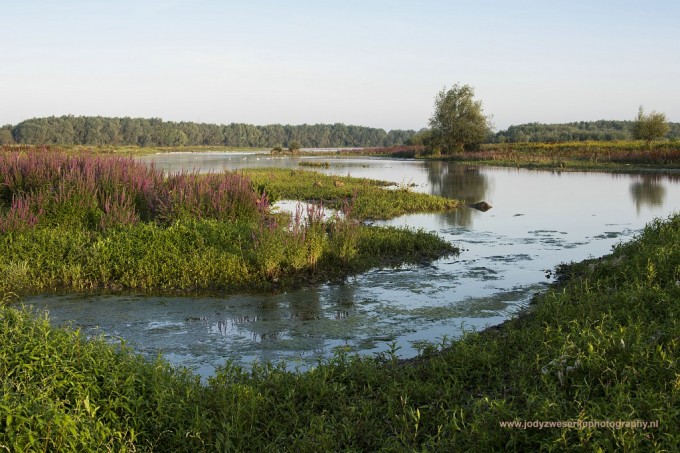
[(314, 164), (88, 222), (202, 255), (368, 198), (589, 155), (603, 345)]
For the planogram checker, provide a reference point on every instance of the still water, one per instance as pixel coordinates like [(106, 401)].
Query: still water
[(539, 219)]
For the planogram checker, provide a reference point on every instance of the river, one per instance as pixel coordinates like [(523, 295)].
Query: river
[(539, 219)]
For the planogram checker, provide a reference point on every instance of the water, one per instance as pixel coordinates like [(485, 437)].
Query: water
[(538, 220)]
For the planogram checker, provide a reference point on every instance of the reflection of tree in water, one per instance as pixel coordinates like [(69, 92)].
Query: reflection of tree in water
[(461, 182), (294, 323), (305, 305), (648, 190), (345, 296)]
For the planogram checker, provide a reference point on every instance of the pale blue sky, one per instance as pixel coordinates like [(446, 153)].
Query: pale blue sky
[(372, 63)]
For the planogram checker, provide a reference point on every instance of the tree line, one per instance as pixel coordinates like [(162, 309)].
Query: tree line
[(97, 131), (576, 131), (459, 123)]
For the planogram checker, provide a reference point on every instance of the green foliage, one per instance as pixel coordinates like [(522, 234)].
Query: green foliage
[(613, 156), (204, 254), (581, 131), (121, 133), (62, 392), (600, 346), (89, 222), (458, 120), (6, 137), (367, 198), (294, 146), (649, 127), (422, 138), (101, 131)]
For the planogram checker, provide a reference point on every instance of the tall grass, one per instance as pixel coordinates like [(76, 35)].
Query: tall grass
[(83, 222), (97, 192)]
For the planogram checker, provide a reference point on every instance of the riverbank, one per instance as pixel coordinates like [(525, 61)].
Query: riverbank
[(88, 222), (614, 156), (595, 356), (608, 156)]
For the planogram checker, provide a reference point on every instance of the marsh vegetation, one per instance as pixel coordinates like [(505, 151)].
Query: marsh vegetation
[(362, 198), (600, 346), (81, 222), (587, 155)]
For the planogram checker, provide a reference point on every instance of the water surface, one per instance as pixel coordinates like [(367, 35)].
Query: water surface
[(538, 220)]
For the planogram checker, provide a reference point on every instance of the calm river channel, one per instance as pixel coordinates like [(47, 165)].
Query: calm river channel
[(539, 219)]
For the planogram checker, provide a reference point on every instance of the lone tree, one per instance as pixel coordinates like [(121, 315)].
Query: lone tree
[(458, 120), (649, 127), (294, 146)]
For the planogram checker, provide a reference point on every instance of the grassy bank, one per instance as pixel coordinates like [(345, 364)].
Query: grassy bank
[(622, 155), (368, 197), (602, 347), (82, 222), (596, 155)]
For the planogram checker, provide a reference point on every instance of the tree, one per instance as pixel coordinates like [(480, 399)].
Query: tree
[(422, 138), (649, 127), (6, 135), (84, 130), (294, 146), (458, 120)]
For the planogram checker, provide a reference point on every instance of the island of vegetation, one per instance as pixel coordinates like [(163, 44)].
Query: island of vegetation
[(83, 222)]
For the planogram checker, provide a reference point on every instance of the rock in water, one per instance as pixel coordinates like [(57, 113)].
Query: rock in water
[(481, 206)]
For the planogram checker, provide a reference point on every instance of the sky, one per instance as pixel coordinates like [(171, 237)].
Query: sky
[(371, 62)]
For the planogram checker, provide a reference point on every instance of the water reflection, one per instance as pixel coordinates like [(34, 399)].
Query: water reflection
[(648, 190), (305, 305), (462, 182), (229, 326)]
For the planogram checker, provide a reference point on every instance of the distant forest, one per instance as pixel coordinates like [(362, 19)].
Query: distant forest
[(573, 132), (96, 130)]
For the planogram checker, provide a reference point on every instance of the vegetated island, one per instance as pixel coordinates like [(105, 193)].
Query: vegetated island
[(591, 366), (86, 222)]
